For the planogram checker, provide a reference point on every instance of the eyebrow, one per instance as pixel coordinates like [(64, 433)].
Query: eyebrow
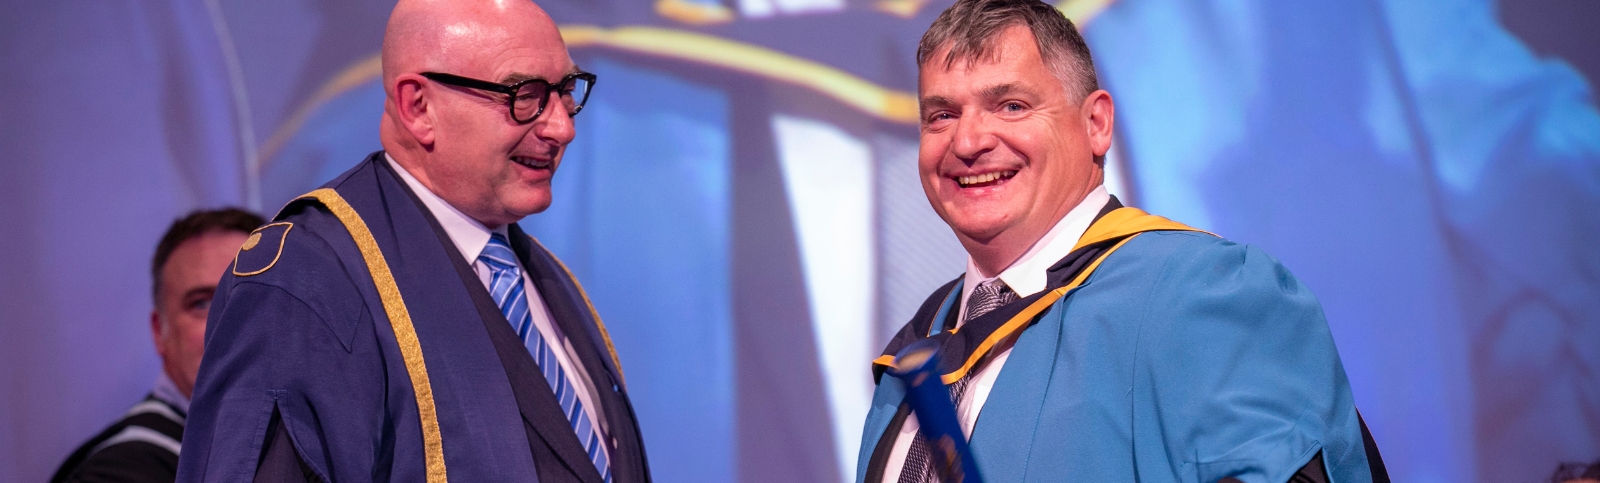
[(936, 101), (208, 290), (997, 90), (516, 77), (988, 93)]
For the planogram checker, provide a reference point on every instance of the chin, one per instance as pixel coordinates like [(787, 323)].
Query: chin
[(979, 230), (978, 221), (531, 207), (527, 200)]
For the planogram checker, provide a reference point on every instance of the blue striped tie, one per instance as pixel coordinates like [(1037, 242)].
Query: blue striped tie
[(505, 285)]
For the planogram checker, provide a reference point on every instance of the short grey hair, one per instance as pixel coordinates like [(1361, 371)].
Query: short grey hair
[(970, 26)]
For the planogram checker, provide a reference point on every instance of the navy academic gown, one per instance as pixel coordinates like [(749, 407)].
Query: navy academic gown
[(1157, 353), (351, 341)]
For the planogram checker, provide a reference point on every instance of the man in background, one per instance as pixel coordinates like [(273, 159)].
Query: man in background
[(189, 260), (1088, 341)]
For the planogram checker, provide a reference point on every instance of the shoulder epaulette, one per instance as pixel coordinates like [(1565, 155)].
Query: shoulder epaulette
[(261, 249)]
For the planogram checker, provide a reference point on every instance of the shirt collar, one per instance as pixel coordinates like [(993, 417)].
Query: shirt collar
[(1029, 274), (167, 391), (469, 236)]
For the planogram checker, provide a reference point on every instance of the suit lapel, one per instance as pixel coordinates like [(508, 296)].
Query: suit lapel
[(568, 312), (540, 409), (535, 399), (563, 302)]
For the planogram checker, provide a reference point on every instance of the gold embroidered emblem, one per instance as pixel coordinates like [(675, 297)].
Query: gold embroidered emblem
[(253, 241)]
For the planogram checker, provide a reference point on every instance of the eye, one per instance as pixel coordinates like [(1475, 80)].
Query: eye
[(1013, 106), (200, 304)]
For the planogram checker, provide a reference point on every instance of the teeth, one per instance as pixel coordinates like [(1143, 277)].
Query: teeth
[(984, 178), (530, 162)]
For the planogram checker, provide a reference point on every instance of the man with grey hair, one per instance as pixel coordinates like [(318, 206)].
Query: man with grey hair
[(1087, 340)]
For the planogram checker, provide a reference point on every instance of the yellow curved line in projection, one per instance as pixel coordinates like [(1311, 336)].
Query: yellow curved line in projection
[(889, 104), (882, 102), (1082, 11), (361, 72), (885, 103), (694, 13)]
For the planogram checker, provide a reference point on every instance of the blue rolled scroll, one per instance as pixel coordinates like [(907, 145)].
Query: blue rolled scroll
[(917, 365)]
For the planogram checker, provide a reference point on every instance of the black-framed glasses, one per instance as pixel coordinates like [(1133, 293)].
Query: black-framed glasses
[(526, 99)]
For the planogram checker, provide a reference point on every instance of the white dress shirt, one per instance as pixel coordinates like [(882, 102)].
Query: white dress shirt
[(471, 238), (1026, 276)]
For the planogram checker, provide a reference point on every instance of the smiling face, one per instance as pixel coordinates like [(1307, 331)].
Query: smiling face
[(488, 165), (463, 143), (1005, 151)]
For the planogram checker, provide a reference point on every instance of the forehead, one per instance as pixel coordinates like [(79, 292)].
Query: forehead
[(514, 53), (1013, 58)]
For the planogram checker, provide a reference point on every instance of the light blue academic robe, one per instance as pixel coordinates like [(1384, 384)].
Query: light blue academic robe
[(1183, 358)]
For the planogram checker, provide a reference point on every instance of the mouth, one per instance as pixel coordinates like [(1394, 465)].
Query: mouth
[(532, 163), (985, 179)]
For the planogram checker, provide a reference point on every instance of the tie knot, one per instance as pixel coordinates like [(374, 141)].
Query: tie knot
[(988, 296), (994, 286), (497, 254)]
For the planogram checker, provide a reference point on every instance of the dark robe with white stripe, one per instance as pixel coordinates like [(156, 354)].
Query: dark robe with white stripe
[(141, 447)]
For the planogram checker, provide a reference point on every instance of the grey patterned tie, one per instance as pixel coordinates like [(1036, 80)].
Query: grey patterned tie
[(986, 297)]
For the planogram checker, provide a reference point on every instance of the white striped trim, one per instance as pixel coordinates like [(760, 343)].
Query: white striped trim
[(157, 407), (141, 434)]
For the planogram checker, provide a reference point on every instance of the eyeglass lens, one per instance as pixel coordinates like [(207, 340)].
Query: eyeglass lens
[(531, 97)]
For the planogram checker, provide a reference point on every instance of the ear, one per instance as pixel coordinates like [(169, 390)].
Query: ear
[(155, 334), (412, 103), (1099, 116)]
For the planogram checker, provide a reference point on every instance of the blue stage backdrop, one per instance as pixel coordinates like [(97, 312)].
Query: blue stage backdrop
[(742, 201)]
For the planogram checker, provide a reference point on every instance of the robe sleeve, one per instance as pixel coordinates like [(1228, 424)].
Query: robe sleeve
[(241, 383), (289, 354), (1238, 376)]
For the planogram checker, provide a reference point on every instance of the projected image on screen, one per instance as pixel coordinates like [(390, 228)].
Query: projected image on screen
[(742, 203)]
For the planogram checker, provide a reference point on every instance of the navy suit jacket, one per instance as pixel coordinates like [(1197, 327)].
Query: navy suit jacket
[(308, 376)]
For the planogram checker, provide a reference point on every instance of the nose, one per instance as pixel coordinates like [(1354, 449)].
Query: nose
[(555, 123), (973, 136)]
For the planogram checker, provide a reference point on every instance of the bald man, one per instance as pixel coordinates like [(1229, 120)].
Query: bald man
[(397, 325)]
